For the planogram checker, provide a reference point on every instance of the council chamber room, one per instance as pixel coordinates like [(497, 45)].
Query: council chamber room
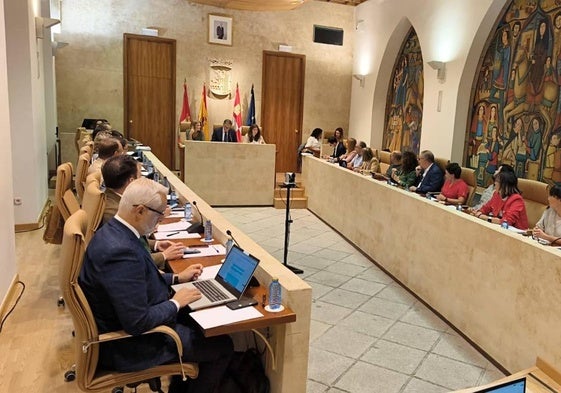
[(375, 185)]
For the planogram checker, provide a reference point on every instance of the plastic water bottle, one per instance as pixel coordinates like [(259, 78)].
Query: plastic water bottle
[(229, 245), (504, 224), (156, 176), (172, 198), (208, 231), (275, 294), (187, 212)]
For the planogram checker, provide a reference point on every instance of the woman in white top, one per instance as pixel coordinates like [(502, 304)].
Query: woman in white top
[(254, 135), (312, 144), (548, 227)]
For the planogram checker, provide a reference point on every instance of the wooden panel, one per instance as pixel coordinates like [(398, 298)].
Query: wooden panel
[(283, 105), (149, 75)]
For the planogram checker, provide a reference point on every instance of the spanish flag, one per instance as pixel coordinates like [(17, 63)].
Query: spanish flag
[(203, 115)]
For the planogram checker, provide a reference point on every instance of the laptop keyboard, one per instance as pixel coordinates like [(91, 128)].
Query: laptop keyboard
[(210, 290)]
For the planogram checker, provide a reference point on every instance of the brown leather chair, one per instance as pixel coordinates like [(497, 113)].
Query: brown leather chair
[(441, 162), (94, 178), (384, 157), (64, 197), (383, 167), (89, 376), (86, 149), (468, 175), (535, 198), (94, 205), (81, 173)]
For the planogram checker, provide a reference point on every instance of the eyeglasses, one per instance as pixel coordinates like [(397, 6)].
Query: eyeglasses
[(152, 210)]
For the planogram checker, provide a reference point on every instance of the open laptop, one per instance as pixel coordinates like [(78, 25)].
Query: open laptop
[(230, 282), (516, 386)]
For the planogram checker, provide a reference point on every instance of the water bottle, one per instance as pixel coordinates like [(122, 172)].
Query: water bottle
[(275, 294), (156, 176), (229, 245), (459, 207), (187, 212), (504, 224), (172, 198), (208, 231)]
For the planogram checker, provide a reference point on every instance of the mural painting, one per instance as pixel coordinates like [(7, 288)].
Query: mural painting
[(516, 112), (404, 108)]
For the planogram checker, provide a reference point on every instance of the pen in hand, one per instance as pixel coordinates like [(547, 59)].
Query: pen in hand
[(173, 233)]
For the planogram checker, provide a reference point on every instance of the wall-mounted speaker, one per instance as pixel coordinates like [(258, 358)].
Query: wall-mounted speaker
[(328, 35)]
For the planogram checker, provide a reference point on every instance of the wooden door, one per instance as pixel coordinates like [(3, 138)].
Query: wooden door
[(283, 105), (149, 78)]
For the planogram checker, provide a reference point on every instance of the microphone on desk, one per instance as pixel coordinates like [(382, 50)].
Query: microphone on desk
[(197, 227), (253, 283)]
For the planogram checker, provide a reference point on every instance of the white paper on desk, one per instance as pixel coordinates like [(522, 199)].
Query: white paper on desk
[(218, 316), (176, 214), (212, 250), (178, 235), (516, 230), (174, 226)]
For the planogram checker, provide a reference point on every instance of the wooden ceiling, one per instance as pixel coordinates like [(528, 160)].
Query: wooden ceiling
[(267, 5)]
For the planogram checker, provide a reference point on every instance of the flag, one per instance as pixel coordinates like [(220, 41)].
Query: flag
[(203, 115), (251, 110), (185, 112), (237, 114)]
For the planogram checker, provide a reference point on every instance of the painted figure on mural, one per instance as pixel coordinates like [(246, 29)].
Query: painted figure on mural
[(501, 67), (482, 160), (538, 60), (396, 127), (511, 147), (400, 83), (552, 167), (492, 120), (557, 58), (534, 147), (510, 89), (493, 147)]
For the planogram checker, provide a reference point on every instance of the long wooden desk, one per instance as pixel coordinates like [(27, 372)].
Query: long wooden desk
[(501, 290), (290, 341), (231, 174)]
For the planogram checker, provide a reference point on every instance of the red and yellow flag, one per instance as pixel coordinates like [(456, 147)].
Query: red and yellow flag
[(203, 115), (185, 111), (237, 114)]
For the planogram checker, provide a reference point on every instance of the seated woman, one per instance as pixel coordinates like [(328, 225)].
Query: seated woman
[(406, 175), (312, 144), (357, 161), (488, 193), (196, 134), (254, 135), (349, 156), (506, 204), (549, 226), (369, 162), (454, 190)]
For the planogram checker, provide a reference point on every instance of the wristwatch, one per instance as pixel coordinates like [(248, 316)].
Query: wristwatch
[(175, 280)]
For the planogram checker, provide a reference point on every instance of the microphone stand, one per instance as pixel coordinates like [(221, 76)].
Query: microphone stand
[(287, 222), (199, 226)]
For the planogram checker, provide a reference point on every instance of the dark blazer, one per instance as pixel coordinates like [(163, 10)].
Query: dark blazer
[(126, 291), (339, 150), (432, 182), (217, 135)]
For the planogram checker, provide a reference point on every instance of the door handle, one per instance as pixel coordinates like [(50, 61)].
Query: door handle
[(296, 131)]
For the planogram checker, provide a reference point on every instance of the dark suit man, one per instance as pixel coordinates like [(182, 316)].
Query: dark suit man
[(432, 178), (126, 291), (224, 133), (118, 172)]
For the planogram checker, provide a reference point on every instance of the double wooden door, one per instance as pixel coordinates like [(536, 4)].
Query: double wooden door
[(283, 105), (149, 93)]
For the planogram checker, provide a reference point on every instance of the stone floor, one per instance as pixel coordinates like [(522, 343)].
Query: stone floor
[(368, 334)]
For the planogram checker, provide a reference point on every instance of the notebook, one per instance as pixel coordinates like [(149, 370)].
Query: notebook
[(516, 386), (230, 282)]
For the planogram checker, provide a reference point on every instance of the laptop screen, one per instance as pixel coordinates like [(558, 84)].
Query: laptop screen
[(237, 270), (516, 386)]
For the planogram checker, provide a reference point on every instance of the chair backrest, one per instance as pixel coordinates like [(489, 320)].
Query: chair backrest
[(86, 149), (93, 204), (81, 173), (85, 328), (442, 162), (468, 175), (385, 157), (384, 167), (63, 186), (94, 177), (535, 198)]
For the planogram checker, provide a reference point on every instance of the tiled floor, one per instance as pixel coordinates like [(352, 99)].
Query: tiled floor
[(367, 333)]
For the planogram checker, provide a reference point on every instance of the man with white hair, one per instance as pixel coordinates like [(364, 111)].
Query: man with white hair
[(126, 291)]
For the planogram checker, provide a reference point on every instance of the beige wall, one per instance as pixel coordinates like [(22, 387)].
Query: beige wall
[(90, 70)]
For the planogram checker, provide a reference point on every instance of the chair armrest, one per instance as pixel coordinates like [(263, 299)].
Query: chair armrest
[(120, 334)]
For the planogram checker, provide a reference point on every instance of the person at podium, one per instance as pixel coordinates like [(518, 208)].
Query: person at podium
[(224, 133)]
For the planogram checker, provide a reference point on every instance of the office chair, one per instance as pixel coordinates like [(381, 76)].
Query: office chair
[(81, 173), (93, 204), (89, 376), (63, 190)]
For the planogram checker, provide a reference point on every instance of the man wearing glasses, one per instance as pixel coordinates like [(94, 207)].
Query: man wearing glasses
[(431, 178), (126, 291)]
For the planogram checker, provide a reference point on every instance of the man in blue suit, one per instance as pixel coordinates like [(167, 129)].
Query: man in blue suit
[(431, 179), (126, 291), (224, 133)]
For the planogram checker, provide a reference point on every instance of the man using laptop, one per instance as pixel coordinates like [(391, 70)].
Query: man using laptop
[(126, 291)]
